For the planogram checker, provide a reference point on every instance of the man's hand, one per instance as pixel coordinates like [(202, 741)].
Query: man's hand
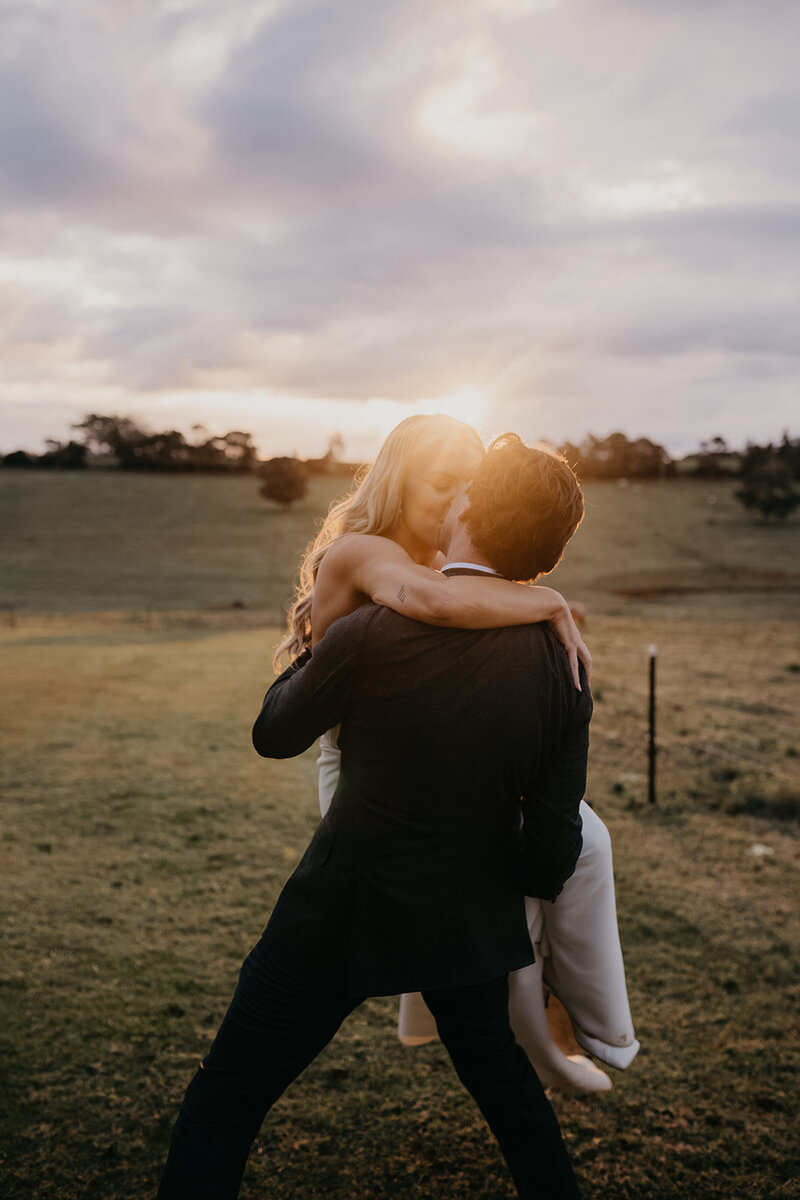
[(565, 629)]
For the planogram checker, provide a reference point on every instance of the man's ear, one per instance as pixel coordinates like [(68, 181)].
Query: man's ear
[(461, 503), (464, 514)]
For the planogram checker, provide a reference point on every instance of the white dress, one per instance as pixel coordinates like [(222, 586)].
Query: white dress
[(578, 957)]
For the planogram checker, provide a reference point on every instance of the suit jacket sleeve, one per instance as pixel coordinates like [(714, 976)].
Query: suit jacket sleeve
[(551, 830), (311, 695)]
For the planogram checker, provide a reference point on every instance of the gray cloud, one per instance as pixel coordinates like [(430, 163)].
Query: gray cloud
[(47, 151), (770, 112), (279, 107), (318, 198)]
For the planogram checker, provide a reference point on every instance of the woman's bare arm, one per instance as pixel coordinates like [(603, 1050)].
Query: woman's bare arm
[(364, 566)]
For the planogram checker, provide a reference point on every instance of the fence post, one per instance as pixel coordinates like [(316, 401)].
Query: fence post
[(651, 745)]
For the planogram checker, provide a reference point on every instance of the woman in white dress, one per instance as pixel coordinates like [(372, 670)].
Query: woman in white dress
[(364, 552)]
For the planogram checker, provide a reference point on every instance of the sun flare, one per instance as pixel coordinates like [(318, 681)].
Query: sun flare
[(467, 404)]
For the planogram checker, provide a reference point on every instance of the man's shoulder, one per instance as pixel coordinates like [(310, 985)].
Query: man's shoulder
[(376, 623), (539, 652), (353, 625), (384, 624)]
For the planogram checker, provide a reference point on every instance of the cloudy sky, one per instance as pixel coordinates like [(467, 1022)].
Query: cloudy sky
[(301, 216)]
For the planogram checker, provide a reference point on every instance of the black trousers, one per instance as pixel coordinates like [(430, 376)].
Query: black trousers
[(276, 1025)]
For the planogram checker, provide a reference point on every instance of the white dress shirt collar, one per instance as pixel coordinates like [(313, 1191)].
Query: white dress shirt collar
[(470, 567)]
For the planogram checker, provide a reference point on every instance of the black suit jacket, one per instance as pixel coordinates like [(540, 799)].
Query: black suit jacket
[(415, 877)]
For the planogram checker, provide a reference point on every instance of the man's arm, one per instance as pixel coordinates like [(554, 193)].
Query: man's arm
[(312, 694), (551, 837)]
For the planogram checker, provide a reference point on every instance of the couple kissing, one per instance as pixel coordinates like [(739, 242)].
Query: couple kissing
[(457, 862)]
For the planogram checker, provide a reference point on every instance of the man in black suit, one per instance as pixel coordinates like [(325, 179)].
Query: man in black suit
[(415, 878)]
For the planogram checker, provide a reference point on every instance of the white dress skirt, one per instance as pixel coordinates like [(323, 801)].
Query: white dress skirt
[(578, 960)]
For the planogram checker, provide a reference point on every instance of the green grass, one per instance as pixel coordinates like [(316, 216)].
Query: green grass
[(107, 540), (143, 844)]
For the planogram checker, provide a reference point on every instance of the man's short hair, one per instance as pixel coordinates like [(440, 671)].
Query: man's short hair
[(525, 503)]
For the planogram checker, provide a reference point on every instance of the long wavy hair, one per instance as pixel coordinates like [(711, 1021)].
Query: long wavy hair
[(372, 507)]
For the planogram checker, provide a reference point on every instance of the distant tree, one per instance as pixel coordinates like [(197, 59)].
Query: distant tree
[(236, 450), (19, 458), (169, 451), (65, 456), (789, 454), (138, 450), (771, 479), (112, 434), (335, 446), (616, 457), (786, 455), (614, 453), (232, 451), (648, 460), (771, 493), (713, 460), (283, 480), (166, 451)]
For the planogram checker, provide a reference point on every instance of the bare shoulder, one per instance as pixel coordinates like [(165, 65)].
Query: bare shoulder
[(351, 550), (343, 579)]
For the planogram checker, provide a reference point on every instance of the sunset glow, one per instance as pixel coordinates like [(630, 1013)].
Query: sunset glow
[(276, 217)]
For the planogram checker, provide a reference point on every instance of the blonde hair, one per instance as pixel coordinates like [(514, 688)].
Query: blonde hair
[(372, 507)]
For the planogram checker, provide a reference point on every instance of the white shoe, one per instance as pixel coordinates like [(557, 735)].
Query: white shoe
[(567, 1072), (574, 1074), (613, 1056)]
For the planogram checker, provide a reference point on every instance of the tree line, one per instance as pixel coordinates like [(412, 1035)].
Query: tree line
[(769, 475), (132, 448), (113, 441)]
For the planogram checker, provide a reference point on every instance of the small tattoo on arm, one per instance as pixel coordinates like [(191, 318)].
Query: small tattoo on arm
[(401, 595)]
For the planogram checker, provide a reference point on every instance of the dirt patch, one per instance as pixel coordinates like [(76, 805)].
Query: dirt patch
[(654, 585)]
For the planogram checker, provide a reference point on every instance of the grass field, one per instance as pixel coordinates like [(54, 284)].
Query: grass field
[(107, 540), (143, 844)]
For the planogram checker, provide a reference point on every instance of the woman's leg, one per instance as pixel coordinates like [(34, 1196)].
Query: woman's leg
[(415, 1023), (528, 1016), (329, 765), (582, 954), (555, 1066), (578, 956)]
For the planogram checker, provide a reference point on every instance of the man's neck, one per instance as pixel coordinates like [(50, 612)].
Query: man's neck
[(462, 551)]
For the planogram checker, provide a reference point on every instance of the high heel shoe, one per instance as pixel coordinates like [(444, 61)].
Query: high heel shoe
[(567, 1072)]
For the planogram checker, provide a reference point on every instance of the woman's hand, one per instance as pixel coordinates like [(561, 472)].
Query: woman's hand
[(565, 629)]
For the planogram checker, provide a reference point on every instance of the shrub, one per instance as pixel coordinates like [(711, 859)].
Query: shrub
[(283, 480), (19, 458), (770, 491), (771, 479)]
